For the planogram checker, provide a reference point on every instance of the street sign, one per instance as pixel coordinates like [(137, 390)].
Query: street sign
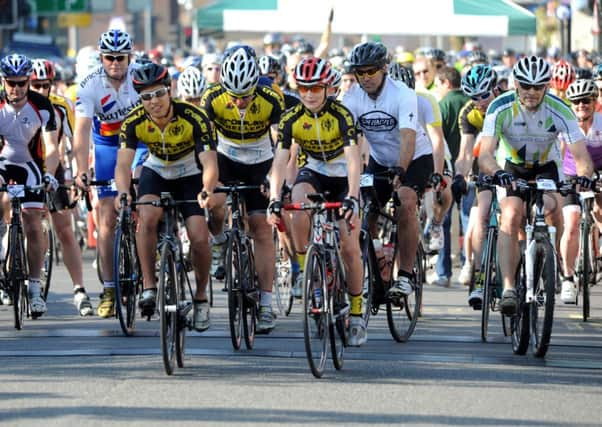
[(54, 7), (66, 20)]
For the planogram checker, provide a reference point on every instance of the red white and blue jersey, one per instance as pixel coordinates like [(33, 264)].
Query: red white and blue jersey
[(97, 99)]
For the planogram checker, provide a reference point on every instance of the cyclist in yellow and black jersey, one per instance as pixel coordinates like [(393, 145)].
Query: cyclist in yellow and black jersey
[(181, 161), (325, 132)]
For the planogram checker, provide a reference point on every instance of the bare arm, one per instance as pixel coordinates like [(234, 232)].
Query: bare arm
[(123, 169), (208, 160), (487, 162), (465, 156), (279, 167), (582, 158), (322, 48), (438, 143), (408, 147), (51, 148), (81, 143), (354, 168)]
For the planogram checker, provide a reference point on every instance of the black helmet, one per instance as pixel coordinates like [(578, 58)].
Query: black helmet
[(370, 53), (150, 74), (404, 74)]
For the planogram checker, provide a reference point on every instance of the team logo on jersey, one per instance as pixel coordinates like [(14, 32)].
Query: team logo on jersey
[(378, 121), (327, 124), (552, 129), (150, 129), (306, 126), (105, 104), (229, 106), (254, 108), (176, 130)]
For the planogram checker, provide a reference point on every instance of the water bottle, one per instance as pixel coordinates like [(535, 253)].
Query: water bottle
[(317, 297)]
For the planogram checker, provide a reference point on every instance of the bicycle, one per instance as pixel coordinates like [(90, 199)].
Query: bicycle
[(537, 275), (241, 278), (325, 307), (283, 280), (402, 315), (489, 269), (15, 267), (174, 306)]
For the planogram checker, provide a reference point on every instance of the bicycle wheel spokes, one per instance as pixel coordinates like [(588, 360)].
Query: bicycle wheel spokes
[(315, 315), (235, 296), (46, 272), (126, 282), (403, 314), (542, 307), (167, 308)]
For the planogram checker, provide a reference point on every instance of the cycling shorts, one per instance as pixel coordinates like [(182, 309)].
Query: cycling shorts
[(105, 160), (255, 174), (26, 173)]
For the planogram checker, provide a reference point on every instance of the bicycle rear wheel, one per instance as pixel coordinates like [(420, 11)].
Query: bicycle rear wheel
[(46, 272), (251, 297), (519, 323), (315, 312), (403, 314), (542, 307), (167, 307), (489, 284), (233, 285), (126, 278)]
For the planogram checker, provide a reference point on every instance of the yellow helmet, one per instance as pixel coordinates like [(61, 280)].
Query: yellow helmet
[(405, 57)]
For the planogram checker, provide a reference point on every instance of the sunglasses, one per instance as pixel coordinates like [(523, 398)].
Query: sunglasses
[(113, 58), (13, 83), (481, 97), (41, 85), (313, 89), (370, 72), (159, 93), (534, 87), (585, 101)]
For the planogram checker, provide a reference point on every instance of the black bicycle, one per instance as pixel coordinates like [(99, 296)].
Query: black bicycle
[(380, 274), (241, 279)]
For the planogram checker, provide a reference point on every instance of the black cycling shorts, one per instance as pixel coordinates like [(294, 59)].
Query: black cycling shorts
[(235, 172), (547, 170)]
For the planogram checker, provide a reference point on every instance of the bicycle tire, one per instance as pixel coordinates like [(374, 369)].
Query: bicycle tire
[(251, 294), (210, 288), (587, 245), (315, 313), (337, 323), (519, 323), (489, 284), (402, 315), (167, 313), (283, 280), (181, 323), (15, 276), (368, 258), (126, 282), (233, 287), (542, 307), (47, 266)]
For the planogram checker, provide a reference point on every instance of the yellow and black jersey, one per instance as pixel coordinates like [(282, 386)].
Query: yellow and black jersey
[(321, 136), (243, 135), (65, 116), (470, 119), (171, 150)]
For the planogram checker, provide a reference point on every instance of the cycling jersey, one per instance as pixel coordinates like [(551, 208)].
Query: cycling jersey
[(429, 114), (529, 138), (64, 109), (593, 140), (381, 119), (171, 150), (97, 99), (22, 129), (243, 135), (321, 136)]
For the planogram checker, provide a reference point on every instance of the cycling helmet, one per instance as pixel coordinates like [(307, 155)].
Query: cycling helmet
[(312, 71), (191, 83), (597, 72), (435, 54), (369, 53), (478, 80), (532, 70), (563, 74), (334, 80), (15, 65), (405, 57), (149, 75), (401, 73), (305, 48), (582, 88), (43, 69), (477, 57), (240, 73), (269, 64), (230, 51), (583, 73), (115, 41), (272, 39)]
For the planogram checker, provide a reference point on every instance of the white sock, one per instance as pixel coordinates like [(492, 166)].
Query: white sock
[(34, 286), (266, 299)]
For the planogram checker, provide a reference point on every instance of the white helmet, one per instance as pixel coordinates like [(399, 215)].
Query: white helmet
[(115, 41), (240, 73), (532, 70), (582, 88), (191, 83)]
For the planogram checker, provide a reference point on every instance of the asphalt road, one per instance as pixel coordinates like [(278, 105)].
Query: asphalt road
[(64, 370)]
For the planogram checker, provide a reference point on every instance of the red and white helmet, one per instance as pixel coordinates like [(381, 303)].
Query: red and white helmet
[(563, 74), (43, 69), (313, 71)]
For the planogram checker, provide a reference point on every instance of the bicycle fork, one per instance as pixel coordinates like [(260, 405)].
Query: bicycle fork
[(531, 253)]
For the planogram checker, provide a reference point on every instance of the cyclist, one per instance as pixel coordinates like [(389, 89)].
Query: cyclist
[(526, 124), (424, 73), (246, 117), (104, 98), (176, 133), (332, 162), (480, 84), (386, 112), (582, 94), (191, 85), (29, 156), (563, 74), (41, 82), (210, 66)]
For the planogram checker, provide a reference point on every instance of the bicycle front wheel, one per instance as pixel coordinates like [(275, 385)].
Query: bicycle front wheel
[(519, 323), (369, 269), (181, 317), (126, 280), (339, 309), (168, 307), (233, 285), (542, 307), (251, 297), (46, 272), (489, 284), (315, 312), (587, 264), (16, 276), (283, 280)]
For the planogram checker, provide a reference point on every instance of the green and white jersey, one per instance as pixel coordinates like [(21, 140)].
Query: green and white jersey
[(530, 139)]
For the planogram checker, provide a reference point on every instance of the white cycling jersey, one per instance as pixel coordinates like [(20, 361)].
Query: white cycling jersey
[(381, 119), (97, 99), (429, 114)]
